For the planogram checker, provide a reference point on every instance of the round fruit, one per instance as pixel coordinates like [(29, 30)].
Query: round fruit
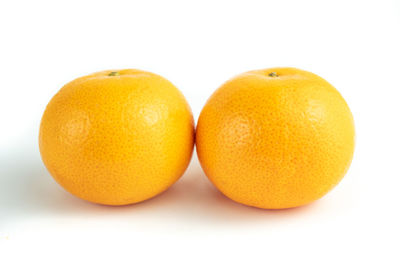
[(117, 137), (275, 138)]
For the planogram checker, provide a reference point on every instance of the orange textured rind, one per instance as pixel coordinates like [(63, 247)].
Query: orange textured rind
[(277, 140), (117, 139)]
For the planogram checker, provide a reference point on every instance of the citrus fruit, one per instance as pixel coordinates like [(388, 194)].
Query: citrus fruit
[(275, 138), (117, 137)]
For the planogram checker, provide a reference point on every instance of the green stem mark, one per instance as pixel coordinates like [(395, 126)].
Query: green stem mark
[(113, 73), (273, 74)]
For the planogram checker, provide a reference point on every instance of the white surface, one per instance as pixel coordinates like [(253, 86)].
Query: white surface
[(198, 45)]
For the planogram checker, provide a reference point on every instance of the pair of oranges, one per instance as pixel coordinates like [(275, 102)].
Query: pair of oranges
[(273, 138)]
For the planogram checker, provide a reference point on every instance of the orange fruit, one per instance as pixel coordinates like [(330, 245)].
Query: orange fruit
[(275, 138), (117, 137)]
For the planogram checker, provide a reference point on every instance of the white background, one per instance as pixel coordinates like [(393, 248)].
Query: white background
[(198, 45)]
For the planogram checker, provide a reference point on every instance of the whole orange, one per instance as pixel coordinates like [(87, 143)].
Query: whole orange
[(275, 138), (117, 137)]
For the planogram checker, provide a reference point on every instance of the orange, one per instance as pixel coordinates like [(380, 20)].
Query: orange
[(275, 138), (117, 137)]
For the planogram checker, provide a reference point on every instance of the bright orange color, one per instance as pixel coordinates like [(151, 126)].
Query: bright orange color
[(117, 137), (275, 138)]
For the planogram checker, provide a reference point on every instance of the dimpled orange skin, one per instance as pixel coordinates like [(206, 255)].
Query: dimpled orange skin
[(117, 137), (275, 138)]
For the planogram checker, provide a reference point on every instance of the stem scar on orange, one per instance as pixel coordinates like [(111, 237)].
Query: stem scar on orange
[(275, 138), (117, 137)]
